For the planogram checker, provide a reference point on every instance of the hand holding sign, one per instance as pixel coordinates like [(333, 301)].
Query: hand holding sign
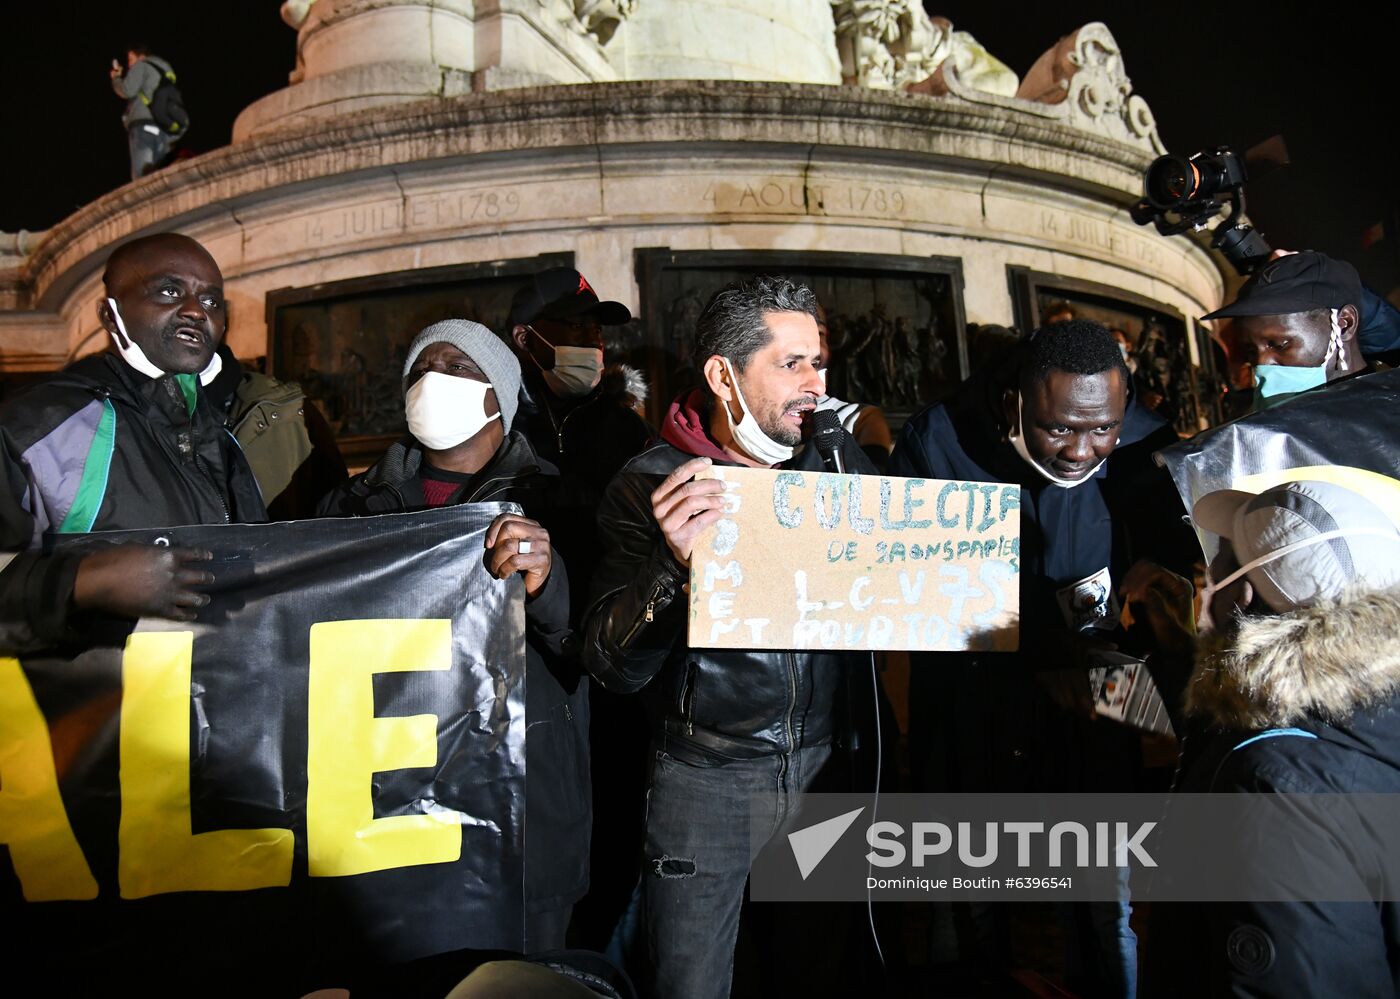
[(685, 507), (519, 544)]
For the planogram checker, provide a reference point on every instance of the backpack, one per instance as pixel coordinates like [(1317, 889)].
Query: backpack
[(167, 105)]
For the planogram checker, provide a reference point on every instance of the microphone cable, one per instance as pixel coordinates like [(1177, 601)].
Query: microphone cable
[(875, 809), (827, 435)]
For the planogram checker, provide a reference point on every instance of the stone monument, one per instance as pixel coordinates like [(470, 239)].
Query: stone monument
[(426, 155), (895, 45)]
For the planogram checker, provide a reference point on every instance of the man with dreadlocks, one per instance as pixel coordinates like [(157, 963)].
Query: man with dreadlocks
[(1296, 324)]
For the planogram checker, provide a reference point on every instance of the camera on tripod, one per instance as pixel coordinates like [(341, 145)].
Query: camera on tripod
[(1195, 189)]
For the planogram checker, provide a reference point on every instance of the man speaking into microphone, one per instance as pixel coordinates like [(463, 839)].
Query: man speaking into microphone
[(731, 725), (827, 436)]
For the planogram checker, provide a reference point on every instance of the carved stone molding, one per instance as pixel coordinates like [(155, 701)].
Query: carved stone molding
[(536, 123), (1083, 75), (598, 18)]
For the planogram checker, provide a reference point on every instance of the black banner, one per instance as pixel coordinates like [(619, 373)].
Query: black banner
[(1344, 433), (325, 771)]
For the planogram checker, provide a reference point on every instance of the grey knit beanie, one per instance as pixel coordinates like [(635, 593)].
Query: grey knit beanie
[(489, 352)]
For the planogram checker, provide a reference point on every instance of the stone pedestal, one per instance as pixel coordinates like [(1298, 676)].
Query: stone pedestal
[(604, 169), (408, 147), (353, 55), (358, 54), (789, 41)]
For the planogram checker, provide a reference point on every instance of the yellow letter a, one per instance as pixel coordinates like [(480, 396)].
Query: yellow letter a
[(33, 822)]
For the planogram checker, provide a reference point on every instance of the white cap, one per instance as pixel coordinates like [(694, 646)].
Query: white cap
[(1304, 542)]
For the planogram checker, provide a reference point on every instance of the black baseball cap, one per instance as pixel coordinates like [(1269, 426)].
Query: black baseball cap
[(1299, 282), (563, 293)]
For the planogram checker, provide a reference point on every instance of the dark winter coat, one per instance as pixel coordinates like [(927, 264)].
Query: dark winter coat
[(287, 442), (102, 447), (1379, 335), (980, 721), (594, 437), (588, 442), (1306, 703), (557, 796), (706, 706)]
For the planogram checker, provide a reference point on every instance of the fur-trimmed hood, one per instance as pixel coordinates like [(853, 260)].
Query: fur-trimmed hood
[(1322, 663), (619, 383), (625, 383)]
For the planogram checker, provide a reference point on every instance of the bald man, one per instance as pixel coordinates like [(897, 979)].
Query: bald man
[(121, 440)]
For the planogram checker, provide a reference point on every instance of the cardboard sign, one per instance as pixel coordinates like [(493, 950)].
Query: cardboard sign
[(814, 560)]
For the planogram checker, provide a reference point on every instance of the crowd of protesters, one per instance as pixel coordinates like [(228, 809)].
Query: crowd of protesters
[(612, 512)]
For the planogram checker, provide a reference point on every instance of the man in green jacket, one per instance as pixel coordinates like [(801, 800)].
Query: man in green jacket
[(123, 440)]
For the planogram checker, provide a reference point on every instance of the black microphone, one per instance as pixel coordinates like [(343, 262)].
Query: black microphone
[(827, 435)]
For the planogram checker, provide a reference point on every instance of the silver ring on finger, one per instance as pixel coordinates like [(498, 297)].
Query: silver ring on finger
[(525, 547)]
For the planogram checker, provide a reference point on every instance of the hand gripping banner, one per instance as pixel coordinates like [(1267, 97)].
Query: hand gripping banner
[(326, 769)]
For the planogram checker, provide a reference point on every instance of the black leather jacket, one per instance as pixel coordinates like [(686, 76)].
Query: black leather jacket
[(707, 706)]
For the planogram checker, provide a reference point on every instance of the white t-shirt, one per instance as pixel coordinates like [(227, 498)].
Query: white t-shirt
[(846, 412)]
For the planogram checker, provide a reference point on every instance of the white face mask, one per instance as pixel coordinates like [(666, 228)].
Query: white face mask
[(1018, 442), (576, 372), (1267, 588), (747, 433), (444, 410), (136, 358)]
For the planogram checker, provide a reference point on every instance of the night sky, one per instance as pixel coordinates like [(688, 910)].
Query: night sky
[(1325, 79)]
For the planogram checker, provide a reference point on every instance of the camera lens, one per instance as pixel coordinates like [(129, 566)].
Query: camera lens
[(1170, 182)]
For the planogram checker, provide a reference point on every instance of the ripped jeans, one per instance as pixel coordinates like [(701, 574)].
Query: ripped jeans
[(697, 858)]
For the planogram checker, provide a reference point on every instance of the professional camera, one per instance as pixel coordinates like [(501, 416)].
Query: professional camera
[(1195, 189)]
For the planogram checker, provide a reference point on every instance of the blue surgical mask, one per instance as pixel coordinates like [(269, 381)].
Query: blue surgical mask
[(1276, 383)]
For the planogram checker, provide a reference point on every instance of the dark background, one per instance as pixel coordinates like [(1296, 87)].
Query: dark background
[(1323, 77)]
